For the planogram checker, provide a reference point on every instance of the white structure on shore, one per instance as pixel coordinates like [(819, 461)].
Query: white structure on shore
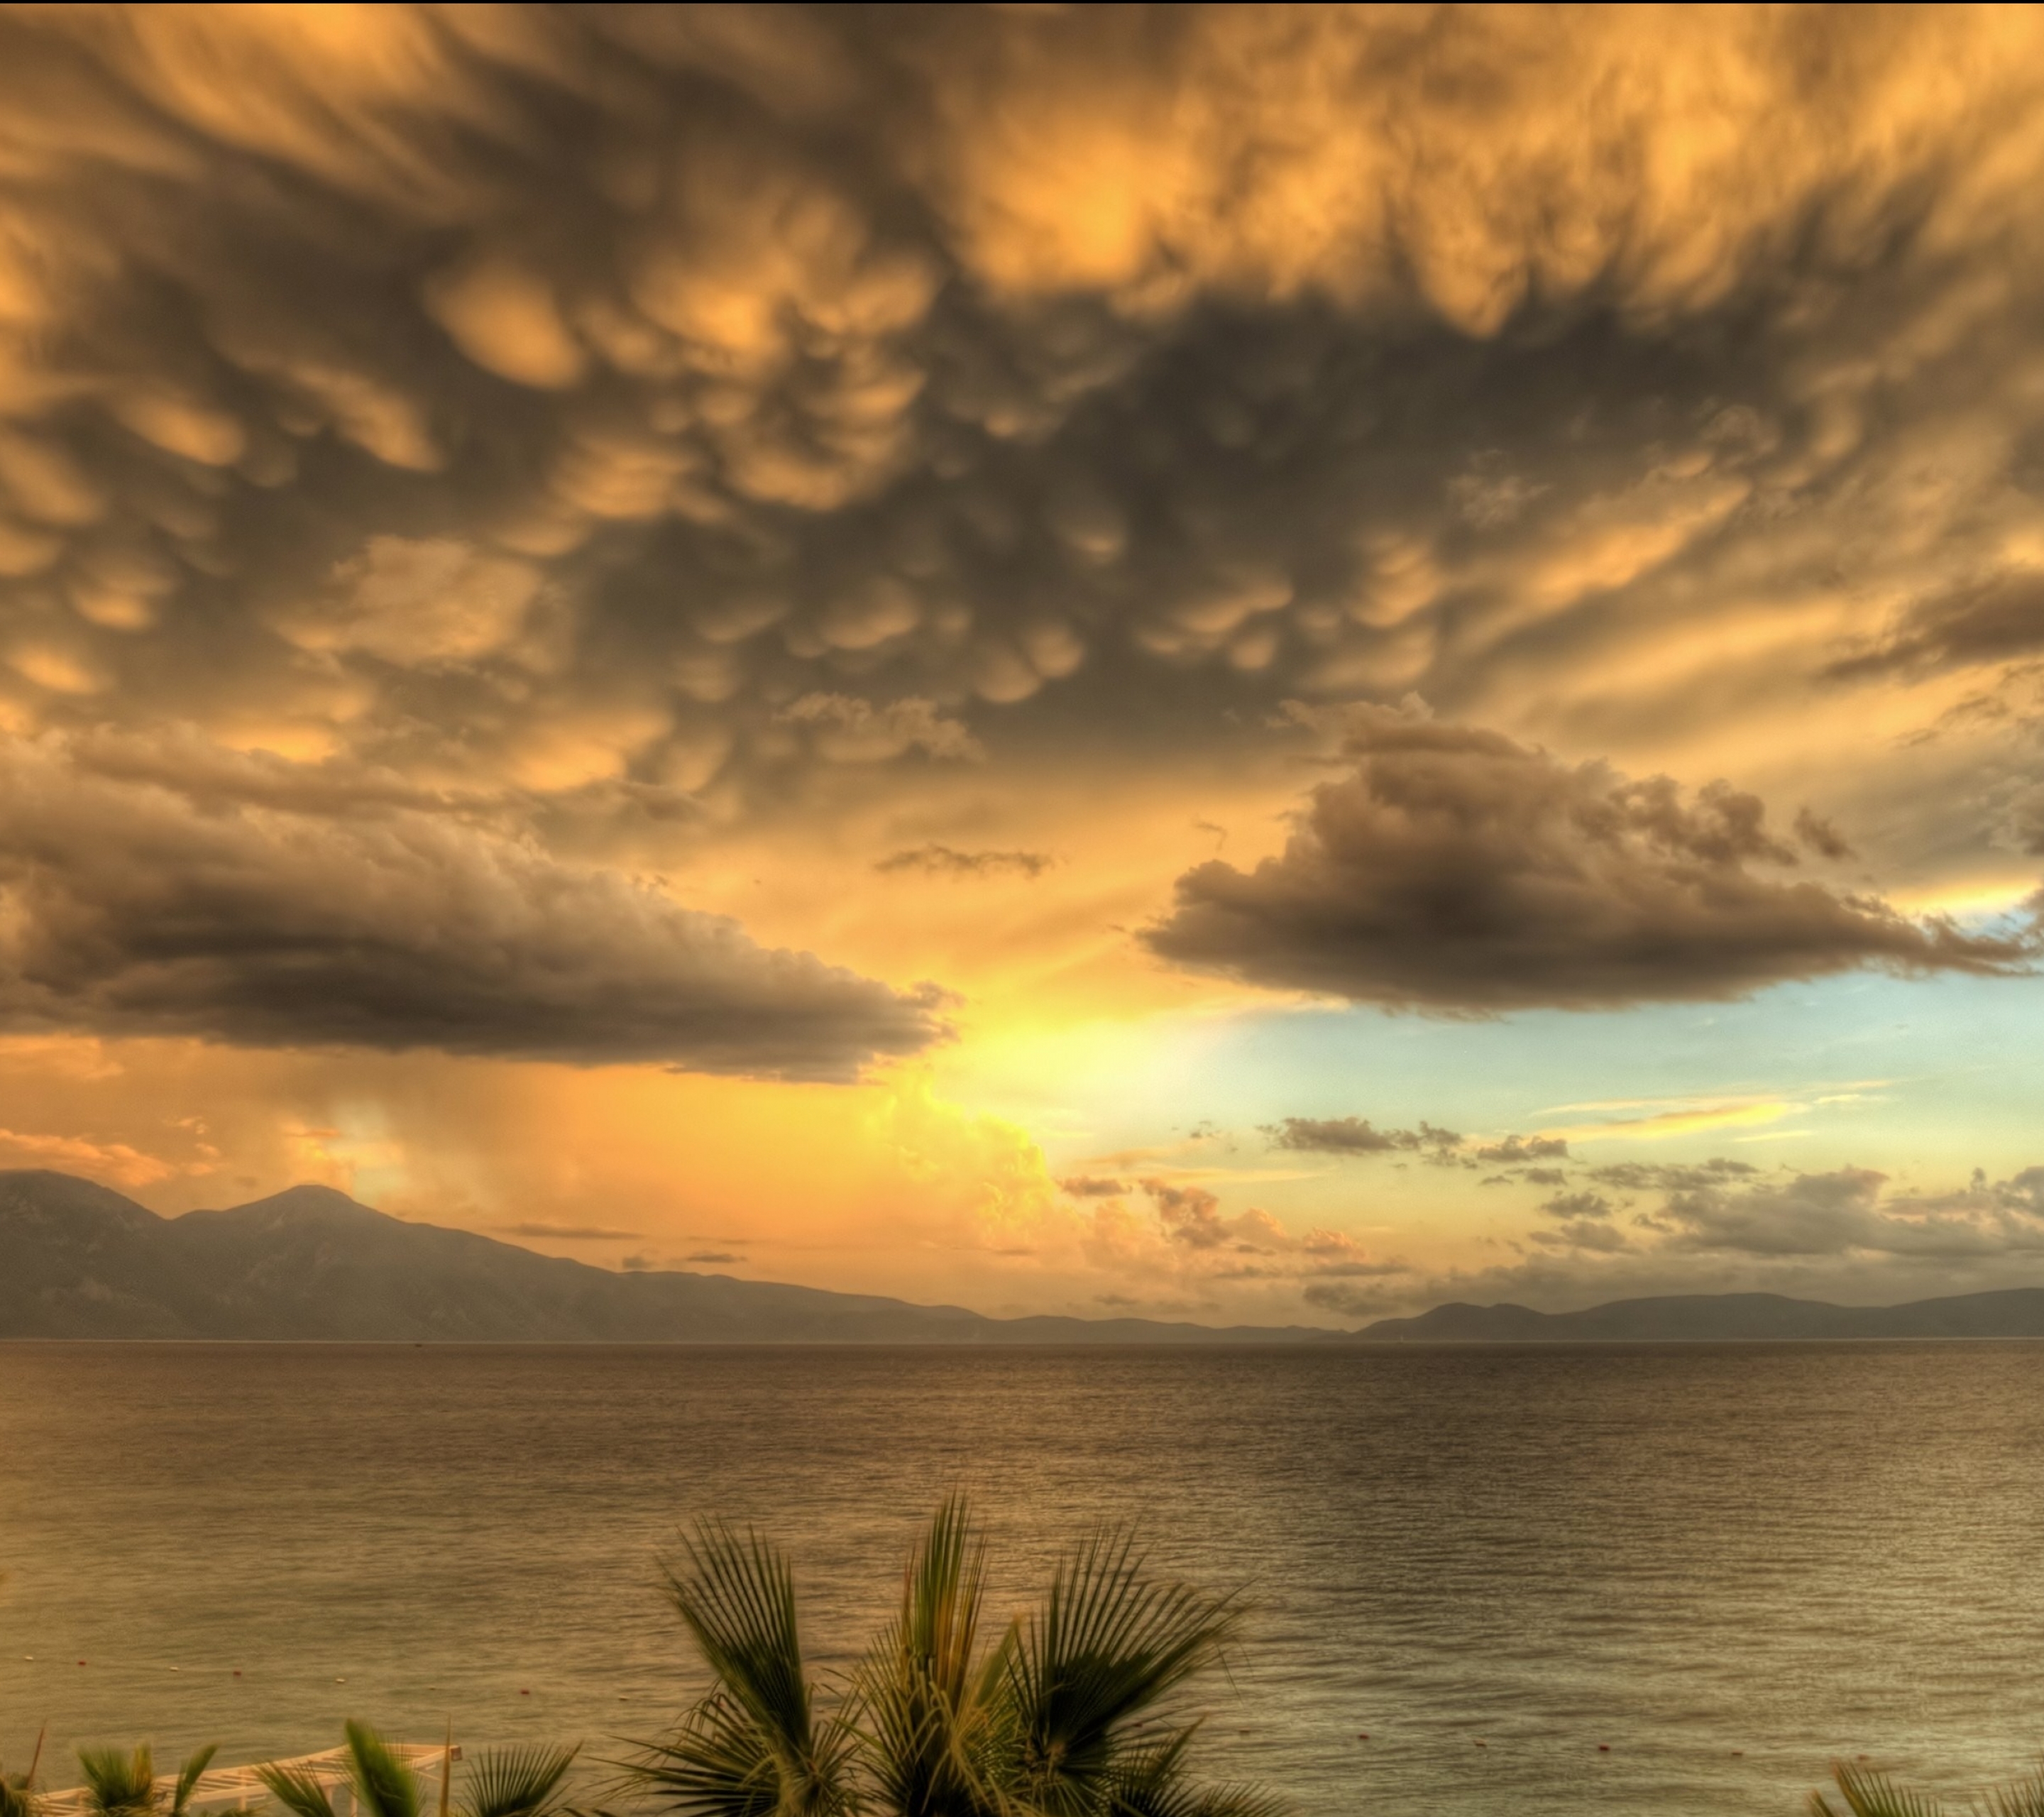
[(241, 1788)]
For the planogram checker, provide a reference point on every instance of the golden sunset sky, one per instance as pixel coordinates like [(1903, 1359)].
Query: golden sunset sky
[(1257, 664)]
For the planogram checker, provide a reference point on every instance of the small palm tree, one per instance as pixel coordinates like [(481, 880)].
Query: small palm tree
[(18, 1790), (118, 1785), (1869, 1794), (1059, 1716), (503, 1782)]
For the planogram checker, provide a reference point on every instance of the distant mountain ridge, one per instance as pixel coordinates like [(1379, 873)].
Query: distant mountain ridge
[(77, 1260), (2012, 1313)]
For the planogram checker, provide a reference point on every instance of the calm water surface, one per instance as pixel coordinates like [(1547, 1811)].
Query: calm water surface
[(1727, 1563)]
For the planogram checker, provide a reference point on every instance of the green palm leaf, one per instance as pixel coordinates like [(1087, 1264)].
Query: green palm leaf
[(1111, 1644), (1869, 1794), (298, 1790), (188, 1777), (119, 1785), (17, 1794), (933, 1729), (718, 1763), (384, 1786), (1152, 1781), (2024, 1799), (756, 1737), (516, 1782)]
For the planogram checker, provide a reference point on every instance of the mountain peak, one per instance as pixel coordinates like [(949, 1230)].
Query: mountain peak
[(43, 1191), (304, 1203)]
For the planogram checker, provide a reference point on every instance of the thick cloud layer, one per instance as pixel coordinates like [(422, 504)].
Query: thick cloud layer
[(586, 394), (871, 470), (1457, 870), (128, 909)]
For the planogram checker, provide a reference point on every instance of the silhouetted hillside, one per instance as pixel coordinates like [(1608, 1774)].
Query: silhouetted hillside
[(77, 1261), (2016, 1312)]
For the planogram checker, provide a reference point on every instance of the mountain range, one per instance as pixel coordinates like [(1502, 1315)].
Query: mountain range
[(2013, 1312), (77, 1260)]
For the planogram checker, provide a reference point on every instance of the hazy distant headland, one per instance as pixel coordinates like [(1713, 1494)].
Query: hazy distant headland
[(77, 1260)]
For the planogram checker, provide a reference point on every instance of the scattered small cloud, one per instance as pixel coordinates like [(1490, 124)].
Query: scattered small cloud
[(947, 861), (566, 1233)]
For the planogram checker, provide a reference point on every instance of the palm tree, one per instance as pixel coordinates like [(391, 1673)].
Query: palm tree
[(503, 1782), (1073, 1711), (119, 1785), (18, 1790), (1869, 1794)]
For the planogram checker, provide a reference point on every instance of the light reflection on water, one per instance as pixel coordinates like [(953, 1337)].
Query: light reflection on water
[(1728, 1563)]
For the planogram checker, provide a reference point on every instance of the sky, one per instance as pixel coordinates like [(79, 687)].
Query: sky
[(1263, 665)]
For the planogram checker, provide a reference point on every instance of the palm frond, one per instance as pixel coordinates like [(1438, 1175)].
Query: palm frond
[(929, 1726), (737, 1599), (119, 1785), (17, 1794), (718, 1763), (1153, 1780), (188, 1777), (384, 1786), (1869, 1794), (516, 1782), (1110, 1644), (2024, 1799), (297, 1790)]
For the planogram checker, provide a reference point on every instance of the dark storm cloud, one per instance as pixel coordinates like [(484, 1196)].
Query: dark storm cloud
[(512, 372), (1456, 870), (947, 861), (132, 911), (558, 417)]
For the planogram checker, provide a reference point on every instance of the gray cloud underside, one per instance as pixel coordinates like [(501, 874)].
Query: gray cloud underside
[(130, 910), (1458, 871), (512, 369), (608, 417)]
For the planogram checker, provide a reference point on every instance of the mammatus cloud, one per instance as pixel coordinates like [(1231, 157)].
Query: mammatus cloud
[(947, 861), (1456, 870), (129, 910), (576, 390)]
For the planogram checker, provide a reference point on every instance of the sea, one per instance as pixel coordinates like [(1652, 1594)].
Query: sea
[(1677, 1580)]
